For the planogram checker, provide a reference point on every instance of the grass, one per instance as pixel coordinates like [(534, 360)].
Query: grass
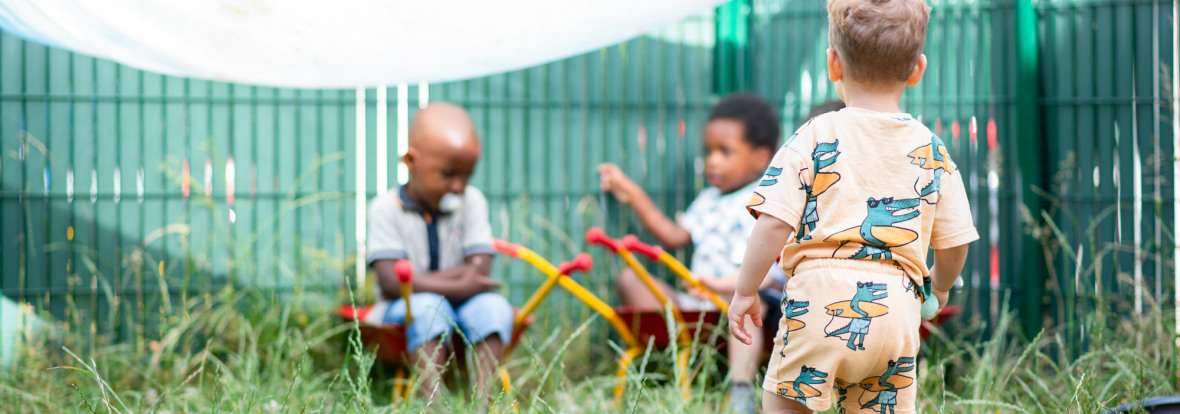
[(244, 352)]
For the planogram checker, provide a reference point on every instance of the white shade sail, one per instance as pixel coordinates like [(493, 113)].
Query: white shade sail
[(338, 44)]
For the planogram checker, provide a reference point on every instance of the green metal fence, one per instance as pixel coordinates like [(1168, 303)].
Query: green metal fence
[(126, 195), (1085, 120)]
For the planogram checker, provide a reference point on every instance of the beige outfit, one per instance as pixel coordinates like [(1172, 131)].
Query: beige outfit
[(868, 193)]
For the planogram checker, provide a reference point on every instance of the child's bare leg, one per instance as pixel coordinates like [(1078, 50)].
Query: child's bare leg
[(487, 358), (428, 361), (636, 294), (776, 404)]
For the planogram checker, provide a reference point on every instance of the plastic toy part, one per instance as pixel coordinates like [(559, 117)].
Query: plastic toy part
[(596, 236), (581, 263), (404, 270), (930, 307), (508, 248), (632, 243)]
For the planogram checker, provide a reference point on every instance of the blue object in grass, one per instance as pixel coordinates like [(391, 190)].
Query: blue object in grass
[(930, 307)]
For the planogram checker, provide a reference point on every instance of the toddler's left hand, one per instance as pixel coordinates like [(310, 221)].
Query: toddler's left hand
[(740, 307)]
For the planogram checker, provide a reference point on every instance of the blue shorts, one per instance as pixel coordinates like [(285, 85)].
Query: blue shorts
[(477, 318)]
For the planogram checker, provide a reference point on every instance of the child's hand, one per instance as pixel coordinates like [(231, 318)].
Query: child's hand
[(615, 182), (740, 308), (485, 284)]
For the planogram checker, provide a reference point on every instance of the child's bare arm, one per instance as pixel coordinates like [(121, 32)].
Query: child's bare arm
[(669, 234), (456, 283), (948, 263), (766, 242)]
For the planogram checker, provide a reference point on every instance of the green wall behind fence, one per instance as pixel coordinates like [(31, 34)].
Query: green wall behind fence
[(95, 227)]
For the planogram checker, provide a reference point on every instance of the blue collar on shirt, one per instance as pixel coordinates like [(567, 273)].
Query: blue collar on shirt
[(431, 225)]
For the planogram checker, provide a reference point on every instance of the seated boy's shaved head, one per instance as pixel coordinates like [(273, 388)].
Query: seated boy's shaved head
[(878, 40), (441, 125)]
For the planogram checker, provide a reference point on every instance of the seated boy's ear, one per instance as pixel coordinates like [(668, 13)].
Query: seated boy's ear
[(409, 158), (919, 70)]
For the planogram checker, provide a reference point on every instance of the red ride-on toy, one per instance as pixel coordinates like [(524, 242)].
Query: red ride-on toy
[(390, 339)]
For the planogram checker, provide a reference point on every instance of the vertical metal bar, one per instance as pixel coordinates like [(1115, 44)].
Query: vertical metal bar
[(1031, 159), (1176, 164), (361, 192), (423, 94), (403, 132), (1157, 149), (382, 139)]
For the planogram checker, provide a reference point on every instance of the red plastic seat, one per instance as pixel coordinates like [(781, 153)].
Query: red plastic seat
[(390, 339)]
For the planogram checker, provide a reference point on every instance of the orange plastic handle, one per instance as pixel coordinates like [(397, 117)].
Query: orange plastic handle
[(508, 248), (581, 263), (632, 243), (596, 236)]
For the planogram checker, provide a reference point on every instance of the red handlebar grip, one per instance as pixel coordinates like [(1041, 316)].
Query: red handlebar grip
[(507, 248), (596, 236), (632, 243), (581, 263), (404, 270)]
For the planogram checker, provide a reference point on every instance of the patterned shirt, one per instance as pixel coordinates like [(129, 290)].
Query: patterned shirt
[(860, 184)]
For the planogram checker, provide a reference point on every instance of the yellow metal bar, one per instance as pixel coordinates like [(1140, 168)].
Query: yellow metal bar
[(407, 291), (603, 309), (683, 273), (685, 376), (629, 258), (545, 267), (399, 385), (621, 374), (505, 380), (552, 278)]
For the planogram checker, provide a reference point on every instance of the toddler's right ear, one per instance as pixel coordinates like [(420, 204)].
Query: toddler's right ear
[(835, 70)]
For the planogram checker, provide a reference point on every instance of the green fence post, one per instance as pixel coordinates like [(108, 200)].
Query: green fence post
[(1032, 159), (731, 53)]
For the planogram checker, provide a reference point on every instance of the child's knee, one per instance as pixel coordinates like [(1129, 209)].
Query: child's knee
[(433, 317), (487, 306), (426, 305), (485, 315), (628, 280)]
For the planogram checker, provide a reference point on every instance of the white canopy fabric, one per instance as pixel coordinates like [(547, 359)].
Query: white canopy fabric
[(338, 44)]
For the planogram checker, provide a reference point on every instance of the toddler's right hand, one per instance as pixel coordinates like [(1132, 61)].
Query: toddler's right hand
[(740, 308), (614, 181)]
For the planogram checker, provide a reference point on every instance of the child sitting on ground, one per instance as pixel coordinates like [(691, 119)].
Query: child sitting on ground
[(740, 139), (440, 224), (875, 190)]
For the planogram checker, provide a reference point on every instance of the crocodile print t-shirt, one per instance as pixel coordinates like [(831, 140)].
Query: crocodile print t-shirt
[(860, 184)]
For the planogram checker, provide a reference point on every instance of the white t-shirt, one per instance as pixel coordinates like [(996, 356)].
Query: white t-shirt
[(720, 227), (400, 229)]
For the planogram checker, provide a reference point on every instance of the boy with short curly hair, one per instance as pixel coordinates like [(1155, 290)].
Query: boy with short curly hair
[(740, 138)]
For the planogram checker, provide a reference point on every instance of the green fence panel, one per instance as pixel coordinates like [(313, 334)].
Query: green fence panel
[(120, 204), (969, 96)]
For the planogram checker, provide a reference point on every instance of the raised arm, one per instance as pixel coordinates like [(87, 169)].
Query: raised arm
[(663, 228)]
